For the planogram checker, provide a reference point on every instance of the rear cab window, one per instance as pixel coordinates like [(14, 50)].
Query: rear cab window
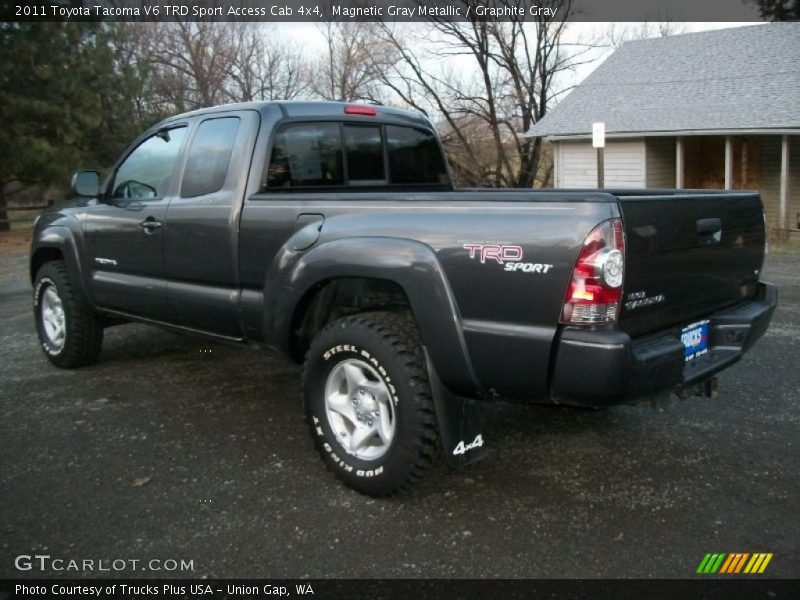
[(306, 155), (414, 157), (353, 155), (364, 150)]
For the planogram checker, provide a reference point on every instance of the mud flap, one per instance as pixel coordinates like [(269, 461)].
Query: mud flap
[(460, 423)]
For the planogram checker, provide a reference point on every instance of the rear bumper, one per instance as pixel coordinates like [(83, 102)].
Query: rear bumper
[(601, 368)]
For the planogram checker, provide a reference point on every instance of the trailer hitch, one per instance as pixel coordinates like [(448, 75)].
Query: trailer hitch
[(705, 389)]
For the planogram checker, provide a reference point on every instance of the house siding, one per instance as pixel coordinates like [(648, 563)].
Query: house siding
[(660, 162), (576, 165), (650, 162)]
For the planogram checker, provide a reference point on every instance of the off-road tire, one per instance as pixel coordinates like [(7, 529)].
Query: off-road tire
[(83, 338), (391, 344)]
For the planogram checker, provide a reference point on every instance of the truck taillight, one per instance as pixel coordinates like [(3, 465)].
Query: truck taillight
[(594, 293), (360, 109)]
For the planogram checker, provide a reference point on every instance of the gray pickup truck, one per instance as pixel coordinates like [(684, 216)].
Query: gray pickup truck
[(332, 234)]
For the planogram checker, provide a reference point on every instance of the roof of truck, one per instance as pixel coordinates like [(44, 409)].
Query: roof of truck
[(299, 109)]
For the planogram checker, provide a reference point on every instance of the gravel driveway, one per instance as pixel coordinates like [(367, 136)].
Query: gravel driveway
[(174, 448)]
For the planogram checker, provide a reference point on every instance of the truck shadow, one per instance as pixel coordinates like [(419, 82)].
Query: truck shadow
[(255, 397)]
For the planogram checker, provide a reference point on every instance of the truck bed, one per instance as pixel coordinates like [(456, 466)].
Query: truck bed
[(516, 314)]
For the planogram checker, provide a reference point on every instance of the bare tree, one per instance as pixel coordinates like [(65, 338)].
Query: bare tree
[(617, 34), (511, 81), (132, 62), (265, 66), (190, 61), (484, 82), (197, 64), (350, 68)]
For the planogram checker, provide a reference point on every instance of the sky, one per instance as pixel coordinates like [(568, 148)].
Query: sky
[(310, 36)]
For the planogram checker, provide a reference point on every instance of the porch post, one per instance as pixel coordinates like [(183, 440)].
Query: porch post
[(556, 150), (782, 216), (679, 163), (728, 163)]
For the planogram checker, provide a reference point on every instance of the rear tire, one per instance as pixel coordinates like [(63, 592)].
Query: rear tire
[(69, 331), (368, 402)]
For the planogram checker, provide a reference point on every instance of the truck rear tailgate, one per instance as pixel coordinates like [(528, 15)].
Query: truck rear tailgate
[(687, 255)]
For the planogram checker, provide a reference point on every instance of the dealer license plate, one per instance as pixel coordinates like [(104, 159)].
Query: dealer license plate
[(695, 340)]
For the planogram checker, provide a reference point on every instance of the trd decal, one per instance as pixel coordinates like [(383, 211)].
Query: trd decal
[(508, 256), (495, 252)]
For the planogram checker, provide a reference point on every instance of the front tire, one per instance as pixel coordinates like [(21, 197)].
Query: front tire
[(69, 331), (369, 404)]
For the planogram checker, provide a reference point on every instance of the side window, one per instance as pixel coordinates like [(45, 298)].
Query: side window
[(414, 157), (145, 173), (306, 154), (364, 155), (209, 155)]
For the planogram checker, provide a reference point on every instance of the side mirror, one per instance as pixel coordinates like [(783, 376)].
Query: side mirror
[(86, 184)]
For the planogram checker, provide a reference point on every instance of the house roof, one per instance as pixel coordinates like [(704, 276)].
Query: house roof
[(743, 78)]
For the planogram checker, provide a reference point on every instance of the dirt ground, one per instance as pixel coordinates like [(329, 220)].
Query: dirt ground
[(18, 240), (174, 448)]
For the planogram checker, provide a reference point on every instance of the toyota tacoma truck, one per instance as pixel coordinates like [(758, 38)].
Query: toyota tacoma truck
[(332, 234)]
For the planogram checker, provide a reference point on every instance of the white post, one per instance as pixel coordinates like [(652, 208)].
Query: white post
[(728, 163), (599, 143), (783, 217), (679, 163)]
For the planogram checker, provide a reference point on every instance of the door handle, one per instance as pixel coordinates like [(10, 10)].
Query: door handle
[(708, 226), (150, 224), (709, 231)]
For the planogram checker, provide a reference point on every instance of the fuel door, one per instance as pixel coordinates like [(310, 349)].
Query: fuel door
[(309, 226)]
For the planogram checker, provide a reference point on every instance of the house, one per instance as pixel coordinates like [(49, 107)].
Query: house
[(714, 109)]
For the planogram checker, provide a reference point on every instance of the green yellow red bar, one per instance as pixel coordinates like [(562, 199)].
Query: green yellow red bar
[(734, 563)]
